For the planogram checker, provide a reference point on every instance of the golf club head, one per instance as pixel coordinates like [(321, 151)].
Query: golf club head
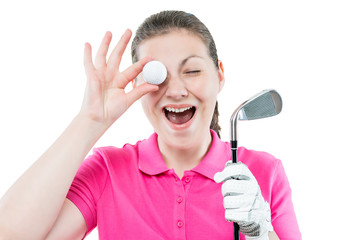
[(265, 104)]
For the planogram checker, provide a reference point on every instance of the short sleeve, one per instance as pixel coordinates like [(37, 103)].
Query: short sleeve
[(282, 208), (87, 187)]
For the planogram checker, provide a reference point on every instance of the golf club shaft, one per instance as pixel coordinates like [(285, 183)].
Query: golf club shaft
[(265, 104), (234, 160)]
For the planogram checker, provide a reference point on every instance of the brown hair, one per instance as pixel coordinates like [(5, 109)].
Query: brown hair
[(166, 21)]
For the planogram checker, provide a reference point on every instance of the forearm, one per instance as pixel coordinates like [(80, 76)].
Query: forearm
[(273, 236), (31, 206)]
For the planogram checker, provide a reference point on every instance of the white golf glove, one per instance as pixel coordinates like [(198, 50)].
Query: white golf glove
[(243, 201)]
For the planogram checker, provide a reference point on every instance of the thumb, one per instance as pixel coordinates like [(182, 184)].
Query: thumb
[(140, 90), (221, 176), (238, 171)]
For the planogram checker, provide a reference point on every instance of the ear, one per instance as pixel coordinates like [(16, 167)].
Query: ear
[(221, 75)]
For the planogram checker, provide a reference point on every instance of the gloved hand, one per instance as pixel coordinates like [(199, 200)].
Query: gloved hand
[(243, 201)]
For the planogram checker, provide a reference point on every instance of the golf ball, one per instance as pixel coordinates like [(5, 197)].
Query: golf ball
[(154, 72)]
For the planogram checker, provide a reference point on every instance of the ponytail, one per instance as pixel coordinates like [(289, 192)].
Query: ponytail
[(215, 121)]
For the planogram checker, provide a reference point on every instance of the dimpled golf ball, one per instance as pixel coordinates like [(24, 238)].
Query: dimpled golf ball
[(154, 72)]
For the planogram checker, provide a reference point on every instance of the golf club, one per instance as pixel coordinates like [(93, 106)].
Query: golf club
[(265, 104)]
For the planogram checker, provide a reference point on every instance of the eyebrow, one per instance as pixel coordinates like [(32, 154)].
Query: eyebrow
[(186, 59)]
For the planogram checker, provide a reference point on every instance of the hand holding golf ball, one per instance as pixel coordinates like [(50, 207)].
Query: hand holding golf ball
[(154, 72), (243, 201), (105, 98)]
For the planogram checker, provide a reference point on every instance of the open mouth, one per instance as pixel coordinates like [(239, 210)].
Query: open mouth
[(179, 115)]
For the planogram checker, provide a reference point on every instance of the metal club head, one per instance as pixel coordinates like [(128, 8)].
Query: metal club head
[(265, 104)]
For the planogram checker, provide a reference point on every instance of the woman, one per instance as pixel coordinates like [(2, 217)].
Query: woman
[(162, 187)]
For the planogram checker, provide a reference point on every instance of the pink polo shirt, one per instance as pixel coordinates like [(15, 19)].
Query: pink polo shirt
[(129, 193)]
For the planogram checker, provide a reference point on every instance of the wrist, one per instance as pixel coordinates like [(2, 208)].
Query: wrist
[(264, 236), (89, 122), (86, 128)]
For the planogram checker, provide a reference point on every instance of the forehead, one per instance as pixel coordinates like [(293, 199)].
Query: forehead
[(175, 44)]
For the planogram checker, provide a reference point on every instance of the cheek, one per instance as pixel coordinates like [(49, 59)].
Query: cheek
[(205, 89), (146, 104), (149, 102)]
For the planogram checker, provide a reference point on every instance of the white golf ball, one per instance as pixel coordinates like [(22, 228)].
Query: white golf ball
[(154, 72)]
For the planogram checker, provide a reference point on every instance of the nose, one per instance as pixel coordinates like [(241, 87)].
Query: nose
[(176, 87)]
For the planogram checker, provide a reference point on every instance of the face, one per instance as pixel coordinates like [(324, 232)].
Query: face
[(181, 110)]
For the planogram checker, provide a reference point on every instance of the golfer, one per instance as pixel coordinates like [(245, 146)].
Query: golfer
[(178, 183)]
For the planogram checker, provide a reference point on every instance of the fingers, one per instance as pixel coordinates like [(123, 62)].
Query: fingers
[(236, 187), (258, 212), (116, 55), (131, 72), (234, 170), (140, 91), (88, 64), (129, 75), (239, 216), (242, 202), (100, 59), (235, 215)]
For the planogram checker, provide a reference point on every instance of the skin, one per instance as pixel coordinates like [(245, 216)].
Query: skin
[(192, 80), (35, 207)]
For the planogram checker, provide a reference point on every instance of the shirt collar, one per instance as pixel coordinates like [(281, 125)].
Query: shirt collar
[(150, 159), (152, 163), (214, 161)]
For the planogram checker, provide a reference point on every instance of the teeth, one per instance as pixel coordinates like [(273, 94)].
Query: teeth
[(177, 110)]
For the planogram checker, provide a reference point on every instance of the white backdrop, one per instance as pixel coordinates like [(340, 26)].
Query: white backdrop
[(308, 50)]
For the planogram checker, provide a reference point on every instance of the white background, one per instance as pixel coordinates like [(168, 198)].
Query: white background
[(308, 50)]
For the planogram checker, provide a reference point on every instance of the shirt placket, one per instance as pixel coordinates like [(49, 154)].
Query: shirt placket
[(180, 203)]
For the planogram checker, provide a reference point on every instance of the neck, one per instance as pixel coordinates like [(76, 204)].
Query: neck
[(182, 157)]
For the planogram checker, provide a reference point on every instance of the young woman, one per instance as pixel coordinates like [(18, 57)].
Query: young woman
[(164, 187)]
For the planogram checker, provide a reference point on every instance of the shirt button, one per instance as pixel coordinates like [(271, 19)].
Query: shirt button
[(180, 224), (179, 199), (187, 179)]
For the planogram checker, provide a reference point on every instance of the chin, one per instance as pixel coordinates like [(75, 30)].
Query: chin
[(184, 139)]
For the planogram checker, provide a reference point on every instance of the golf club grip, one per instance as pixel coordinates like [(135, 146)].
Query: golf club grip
[(236, 231), (234, 160), (234, 150)]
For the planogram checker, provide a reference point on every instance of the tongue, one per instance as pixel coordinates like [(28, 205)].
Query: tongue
[(181, 117)]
